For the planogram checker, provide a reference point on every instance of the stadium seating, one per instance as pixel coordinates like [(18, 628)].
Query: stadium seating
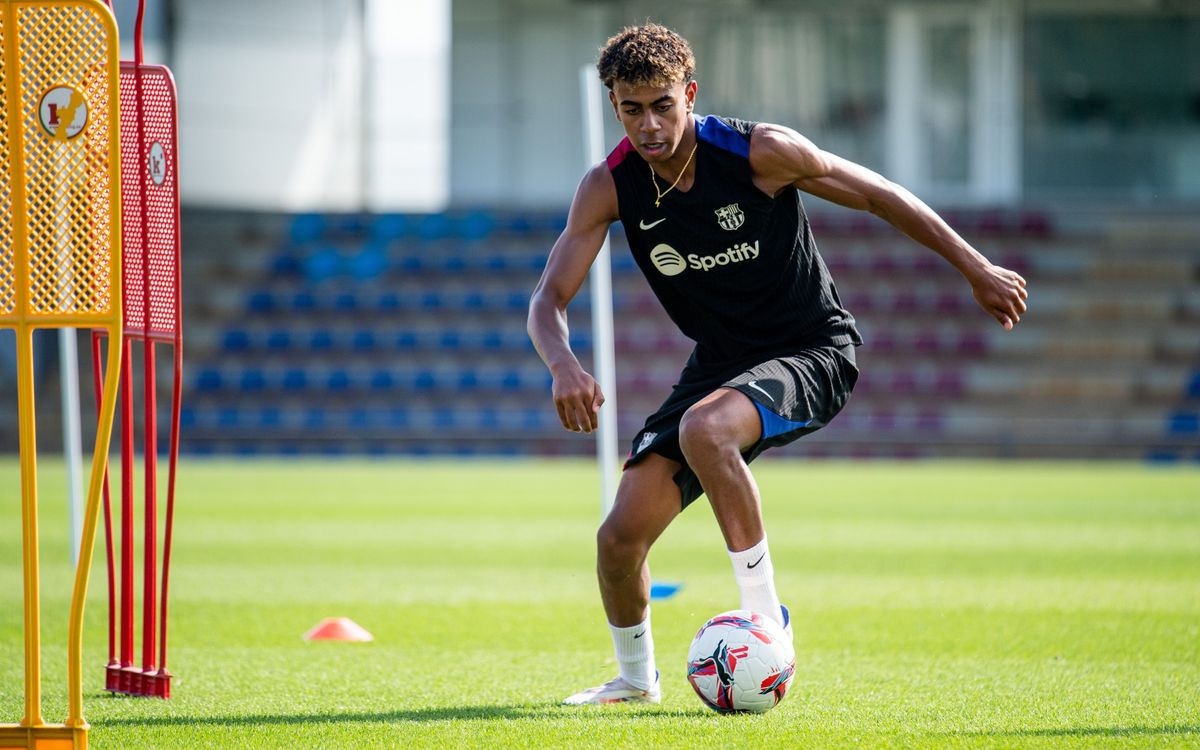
[(405, 334)]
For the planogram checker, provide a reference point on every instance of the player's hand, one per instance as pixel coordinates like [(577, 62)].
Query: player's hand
[(1001, 293), (577, 397)]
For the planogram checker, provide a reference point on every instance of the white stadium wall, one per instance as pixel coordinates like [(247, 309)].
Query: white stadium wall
[(293, 105)]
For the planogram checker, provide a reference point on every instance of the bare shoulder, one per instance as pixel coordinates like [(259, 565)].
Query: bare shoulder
[(781, 156), (596, 197)]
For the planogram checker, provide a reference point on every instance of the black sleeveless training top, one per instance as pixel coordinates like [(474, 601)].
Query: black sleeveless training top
[(737, 270)]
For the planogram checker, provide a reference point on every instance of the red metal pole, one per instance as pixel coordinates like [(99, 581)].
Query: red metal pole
[(164, 684), (150, 565), (126, 514)]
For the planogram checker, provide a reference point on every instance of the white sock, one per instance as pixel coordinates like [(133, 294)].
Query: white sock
[(756, 580), (635, 653)]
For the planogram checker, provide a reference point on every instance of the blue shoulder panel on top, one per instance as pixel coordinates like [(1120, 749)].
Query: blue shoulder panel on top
[(714, 130)]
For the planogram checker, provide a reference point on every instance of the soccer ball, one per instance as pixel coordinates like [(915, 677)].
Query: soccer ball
[(741, 661)]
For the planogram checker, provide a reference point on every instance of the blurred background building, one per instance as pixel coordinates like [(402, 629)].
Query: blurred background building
[(371, 187)]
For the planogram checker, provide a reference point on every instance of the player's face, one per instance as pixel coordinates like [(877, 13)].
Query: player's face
[(656, 118)]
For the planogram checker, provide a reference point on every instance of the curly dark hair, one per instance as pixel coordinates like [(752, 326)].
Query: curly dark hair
[(646, 55)]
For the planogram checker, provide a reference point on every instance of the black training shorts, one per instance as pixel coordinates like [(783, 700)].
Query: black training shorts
[(795, 395)]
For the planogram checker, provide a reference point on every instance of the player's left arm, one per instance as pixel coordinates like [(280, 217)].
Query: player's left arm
[(780, 156)]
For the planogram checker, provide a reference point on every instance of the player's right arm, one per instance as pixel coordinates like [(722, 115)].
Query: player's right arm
[(577, 396)]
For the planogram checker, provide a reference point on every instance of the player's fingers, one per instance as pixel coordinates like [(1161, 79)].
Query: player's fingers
[(1020, 305), (570, 415), (562, 413), (579, 418)]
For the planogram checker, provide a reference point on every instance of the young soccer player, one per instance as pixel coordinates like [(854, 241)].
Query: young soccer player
[(711, 208)]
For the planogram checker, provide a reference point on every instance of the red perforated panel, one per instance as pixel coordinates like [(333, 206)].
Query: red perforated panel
[(150, 201)]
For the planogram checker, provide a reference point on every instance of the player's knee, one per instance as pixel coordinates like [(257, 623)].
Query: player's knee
[(618, 546), (703, 432)]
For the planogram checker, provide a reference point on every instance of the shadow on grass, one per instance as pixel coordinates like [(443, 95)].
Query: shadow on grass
[(459, 713), (1170, 729)]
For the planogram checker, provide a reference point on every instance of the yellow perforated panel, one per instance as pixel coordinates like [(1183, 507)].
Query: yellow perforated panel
[(8, 281), (62, 52)]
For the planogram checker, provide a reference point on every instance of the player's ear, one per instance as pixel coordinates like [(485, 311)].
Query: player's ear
[(612, 98), (689, 93)]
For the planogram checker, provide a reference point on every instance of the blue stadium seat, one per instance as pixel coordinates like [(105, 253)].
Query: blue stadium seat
[(398, 417), (252, 380), (388, 227), (306, 228), (520, 224), (369, 263), (294, 379), (1193, 389), (405, 340), (476, 225), (285, 264), (382, 380), (450, 340), (468, 380), (338, 381), (434, 227), (510, 380), (411, 264), (321, 340), (1184, 423), (279, 339), (235, 341), (359, 418), (270, 418), (227, 417), (364, 340), (187, 418), (304, 302), (424, 380), (345, 302), (322, 265), (316, 418), (388, 302), (208, 380), (492, 340), (260, 302)]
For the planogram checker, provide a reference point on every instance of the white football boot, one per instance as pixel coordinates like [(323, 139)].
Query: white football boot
[(616, 690)]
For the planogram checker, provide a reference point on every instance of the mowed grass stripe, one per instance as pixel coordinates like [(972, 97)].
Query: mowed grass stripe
[(936, 605)]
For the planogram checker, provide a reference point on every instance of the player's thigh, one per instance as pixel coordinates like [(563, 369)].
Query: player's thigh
[(647, 501)]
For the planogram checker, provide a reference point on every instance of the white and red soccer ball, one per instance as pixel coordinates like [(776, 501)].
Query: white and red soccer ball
[(741, 661)]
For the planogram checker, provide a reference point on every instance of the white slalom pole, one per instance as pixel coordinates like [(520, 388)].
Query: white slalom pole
[(602, 310), (68, 363)]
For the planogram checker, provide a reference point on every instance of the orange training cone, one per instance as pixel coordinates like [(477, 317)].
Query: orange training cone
[(338, 629)]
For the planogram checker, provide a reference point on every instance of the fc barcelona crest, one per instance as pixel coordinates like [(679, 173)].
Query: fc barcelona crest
[(730, 217)]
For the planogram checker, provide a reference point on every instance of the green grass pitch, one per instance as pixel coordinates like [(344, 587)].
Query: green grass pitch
[(936, 605)]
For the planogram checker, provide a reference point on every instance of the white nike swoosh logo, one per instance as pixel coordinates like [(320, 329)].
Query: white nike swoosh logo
[(644, 225), (754, 384)]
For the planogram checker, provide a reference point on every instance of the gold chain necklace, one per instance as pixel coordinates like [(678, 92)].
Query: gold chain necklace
[(654, 178)]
